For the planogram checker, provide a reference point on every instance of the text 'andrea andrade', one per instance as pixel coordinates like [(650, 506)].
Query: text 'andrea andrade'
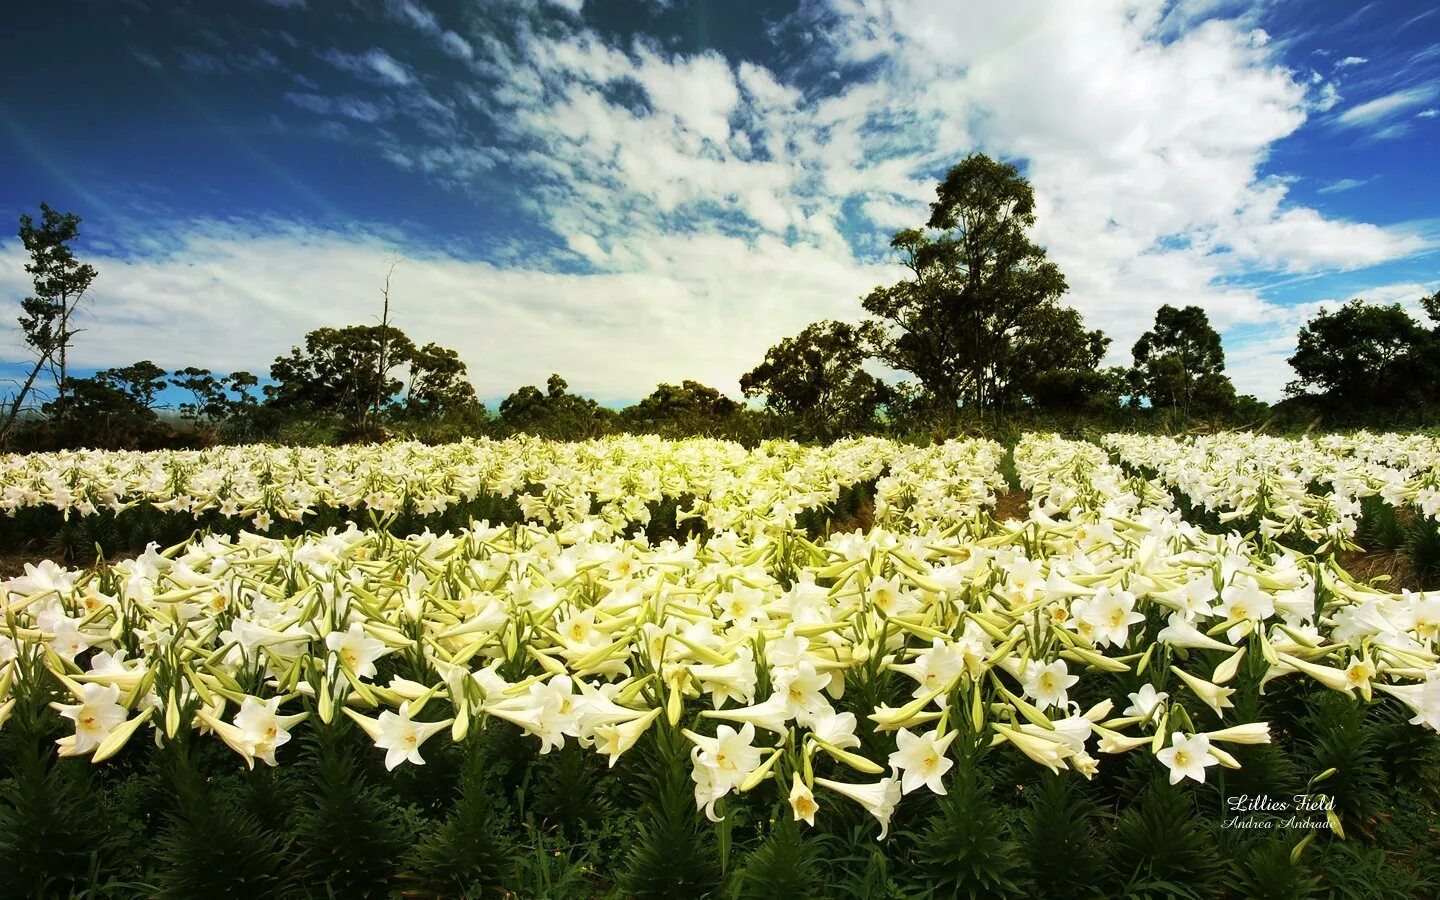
[(1261, 811)]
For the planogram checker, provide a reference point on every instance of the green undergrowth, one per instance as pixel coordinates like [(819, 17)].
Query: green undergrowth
[(491, 817), (48, 533)]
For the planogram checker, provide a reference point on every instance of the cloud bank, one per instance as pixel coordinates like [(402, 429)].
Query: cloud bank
[(700, 207)]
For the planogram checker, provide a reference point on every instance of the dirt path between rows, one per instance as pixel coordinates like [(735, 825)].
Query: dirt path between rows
[(1011, 505)]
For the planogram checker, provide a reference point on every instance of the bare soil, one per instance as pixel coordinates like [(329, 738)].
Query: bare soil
[(863, 519), (1394, 570), (1011, 505)]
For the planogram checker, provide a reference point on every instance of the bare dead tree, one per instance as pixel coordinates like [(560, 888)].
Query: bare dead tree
[(381, 366)]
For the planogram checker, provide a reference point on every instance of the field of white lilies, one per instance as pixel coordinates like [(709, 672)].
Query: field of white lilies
[(636, 667)]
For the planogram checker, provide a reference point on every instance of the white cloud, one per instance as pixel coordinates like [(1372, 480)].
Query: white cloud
[(455, 45), (1344, 184), (419, 17), (149, 60), (356, 108), (1351, 61), (413, 13), (1300, 240), (1327, 98), (226, 297), (373, 65), (1144, 155), (1373, 113), (1430, 113), (708, 206), (200, 62), (385, 65)]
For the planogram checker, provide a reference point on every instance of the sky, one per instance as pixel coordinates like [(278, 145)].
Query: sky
[(630, 192)]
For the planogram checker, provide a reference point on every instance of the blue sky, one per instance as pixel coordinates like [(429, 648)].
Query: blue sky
[(651, 190)]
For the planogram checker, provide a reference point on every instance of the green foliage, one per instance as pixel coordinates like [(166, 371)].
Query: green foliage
[(978, 315), (1059, 839), (1180, 365), (1353, 871), (470, 849), (554, 412), (111, 410), (1380, 526), (572, 791), (690, 408), (817, 379), (1088, 391), (1266, 768), (967, 848), (546, 869), (1364, 357), (352, 833), (1164, 842), (52, 833), (491, 820), (674, 852), (1422, 547), (1409, 755), (216, 399), (437, 384), (787, 863), (1263, 869), (338, 372), (209, 847), (1338, 737), (60, 282)]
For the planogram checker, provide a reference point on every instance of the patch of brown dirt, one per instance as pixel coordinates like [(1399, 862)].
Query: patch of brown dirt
[(1394, 570), (1011, 505), (863, 519), (13, 560)]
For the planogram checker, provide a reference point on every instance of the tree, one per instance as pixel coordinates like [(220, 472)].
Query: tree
[(817, 378), (687, 408), (555, 412), (113, 409), (1079, 390), (1052, 362), (60, 283), (335, 372), (142, 382), (1431, 305), (690, 398), (437, 383), (1180, 364), (976, 284), (1365, 356), (211, 394), (383, 363)]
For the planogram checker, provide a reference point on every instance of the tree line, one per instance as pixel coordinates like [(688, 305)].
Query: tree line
[(973, 335), (978, 325)]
